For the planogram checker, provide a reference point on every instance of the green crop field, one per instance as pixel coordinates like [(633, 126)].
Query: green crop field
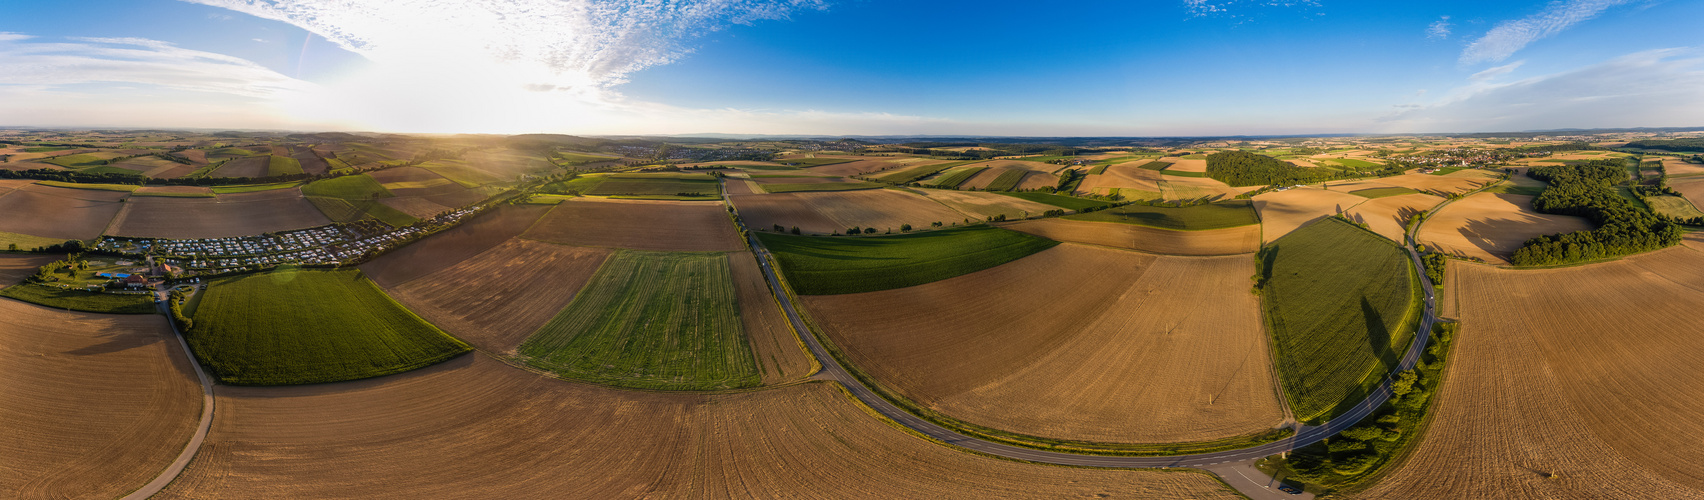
[(348, 187), (1007, 181), (46, 149), (293, 326), (97, 187), (651, 320), (76, 160), (951, 180), (283, 165), (1195, 157), (81, 300), (813, 162), (1673, 206), (1216, 215), (250, 188), (231, 152), (1181, 173), (1045, 159), (1383, 192), (1448, 170), (1511, 188), (819, 186), (353, 197), (914, 173), (1355, 164), (1155, 165), (836, 265), (579, 157), (1065, 202), (25, 242), (1341, 304)]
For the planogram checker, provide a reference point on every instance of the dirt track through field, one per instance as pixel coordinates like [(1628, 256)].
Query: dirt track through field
[(499, 297), (1234, 240), (510, 434), (679, 226), (1491, 227), (93, 405), (1074, 342), (1561, 388)]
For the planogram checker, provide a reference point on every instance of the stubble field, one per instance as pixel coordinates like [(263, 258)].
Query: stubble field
[(1389, 215), (780, 355), (1286, 211), (680, 226), (496, 298), (56, 212), (824, 213), (457, 244), (228, 215), (1235, 240), (93, 405), (1491, 226)]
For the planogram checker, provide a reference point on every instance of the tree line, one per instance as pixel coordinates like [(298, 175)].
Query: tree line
[(1687, 144), (1588, 190), (1242, 168)]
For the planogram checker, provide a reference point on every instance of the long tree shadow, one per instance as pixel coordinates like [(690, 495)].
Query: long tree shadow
[(1378, 335)]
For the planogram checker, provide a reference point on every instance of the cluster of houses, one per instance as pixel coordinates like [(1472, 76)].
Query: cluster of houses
[(339, 243)]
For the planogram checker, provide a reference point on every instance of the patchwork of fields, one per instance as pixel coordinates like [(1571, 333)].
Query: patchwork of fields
[(825, 266)]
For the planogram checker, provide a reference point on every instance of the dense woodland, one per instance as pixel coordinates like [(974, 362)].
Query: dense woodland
[(1688, 144), (1240, 168), (1588, 190)]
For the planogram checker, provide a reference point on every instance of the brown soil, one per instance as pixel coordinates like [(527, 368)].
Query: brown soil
[(497, 298), (311, 163), (15, 267), (1491, 226), (1389, 215), (738, 187), (429, 182), (864, 166), (1691, 188), (247, 166), (763, 212), (175, 189), (1553, 392), (93, 405), (80, 194), (802, 180), (450, 247), (681, 226), (505, 433), (780, 355), (1128, 175), (30, 212), (195, 155), (982, 204), (418, 207), (1131, 348), (1189, 188), (228, 215), (1235, 240), (827, 212), (1285, 211)]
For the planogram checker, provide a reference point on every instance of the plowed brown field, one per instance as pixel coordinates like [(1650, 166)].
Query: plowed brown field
[(1235, 240), (15, 267), (93, 405), (762, 212), (682, 226), (1285, 211), (228, 215), (49, 216), (420, 208), (827, 212), (1074, 342), (1570, 383), (982, 204), (505, 433), (1389, 215), (447, 248), (497, 298), (780, 356), (78, 194), (1491, 226), (247, 166)]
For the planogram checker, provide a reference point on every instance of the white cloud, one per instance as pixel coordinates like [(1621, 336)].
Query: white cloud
[(1495, 72), (136, 60), (1238, 8), (1439, 29), (1653, 88), (1511, 36)]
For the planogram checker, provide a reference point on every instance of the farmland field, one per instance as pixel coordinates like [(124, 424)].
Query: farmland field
[(496, 298), (81, 300), (650, 320), (354, 197), (1234, 240), (918, 172), (248, 166), (250, 188), (684, 226), (983, 205), (1065, 202), (1490, 227), (1184, 330), (779, 353), (282, 165), (14, 267), (951, 179), (1007, 180), (828, 212), (445, 249), (836, 265), (819, 186), (1217, 215), (476, 416), (93, 405), (1341, 304), (1285, 211), (250, 330), (1378, 192), (1550, 388), (1124, 177), (121, 188), (228, 215), (1440, 184), (1389, 215), (1673, 206)]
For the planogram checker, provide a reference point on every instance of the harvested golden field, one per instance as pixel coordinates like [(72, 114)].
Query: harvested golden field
[(680, 226), (1389, 215), (228, 215), (1437, 184), (506, 433), (1123, 176), (1288, 210), (1175, 188), (763, 212), (153, 166), (1182, 165), (10, 184), (452, 246), (982, 204), (1235, 240), (1491, 226), (1555, 392), (1676, 167), (497, 298), (860, 165), (1074, 342), (1692, 188), (779, 353), (1038, 180), (46, 215), (737, 186), (94, 405)]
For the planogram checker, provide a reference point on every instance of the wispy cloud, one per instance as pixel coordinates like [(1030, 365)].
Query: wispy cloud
[(1439, 29), (1241, 8), (138, 61), (1653, 88), (1511, 36)]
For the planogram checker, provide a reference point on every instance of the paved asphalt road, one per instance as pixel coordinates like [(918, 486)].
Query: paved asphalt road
[(1306, 435)]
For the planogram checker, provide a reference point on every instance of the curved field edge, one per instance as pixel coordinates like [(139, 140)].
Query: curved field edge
[(320, 354), (80, 300), (815, 262), (1022, 440), (1305, 409)]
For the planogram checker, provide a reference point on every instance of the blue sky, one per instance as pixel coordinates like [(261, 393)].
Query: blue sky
[(870, 67)]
